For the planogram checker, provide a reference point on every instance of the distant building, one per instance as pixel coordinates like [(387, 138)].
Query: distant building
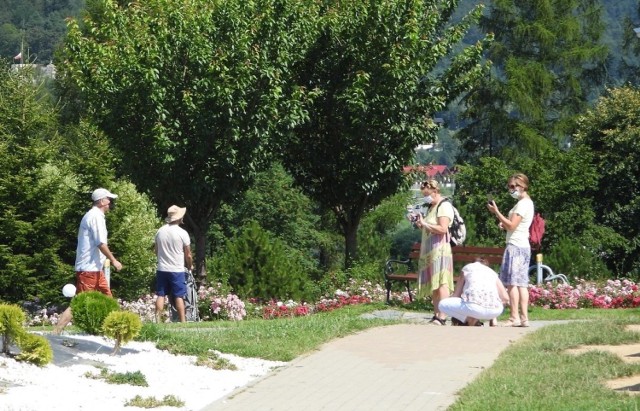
[(441, 173), (47, 71)]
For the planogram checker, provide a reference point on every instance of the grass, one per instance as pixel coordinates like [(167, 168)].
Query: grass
[(131, 378), (537, 374), (275, 340), (153, 402), (532, 374)]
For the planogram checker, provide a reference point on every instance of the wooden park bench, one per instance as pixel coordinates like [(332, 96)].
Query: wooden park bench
[(406, 271)]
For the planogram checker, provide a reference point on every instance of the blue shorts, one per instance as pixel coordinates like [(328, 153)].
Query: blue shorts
[(168, 283)]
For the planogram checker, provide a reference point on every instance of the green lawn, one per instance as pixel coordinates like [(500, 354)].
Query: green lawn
[(534, 373)]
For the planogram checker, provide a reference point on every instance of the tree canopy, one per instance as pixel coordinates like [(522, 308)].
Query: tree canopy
[(189, 92), (375, 69), (548, 61)]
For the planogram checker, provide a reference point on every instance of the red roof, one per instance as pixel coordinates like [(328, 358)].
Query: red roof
[(430, 170)]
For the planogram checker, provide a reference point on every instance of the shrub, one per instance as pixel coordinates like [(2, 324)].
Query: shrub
[(572, 259), (90, 310), (11, 320), (122, 326), (258, 265), (34, 349)]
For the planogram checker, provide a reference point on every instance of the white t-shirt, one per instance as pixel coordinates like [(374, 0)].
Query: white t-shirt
[(92, 233), (520, 236), (170, 242)]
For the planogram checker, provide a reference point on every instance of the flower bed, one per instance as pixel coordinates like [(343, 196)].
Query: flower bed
[(215, 303), (585, 294)]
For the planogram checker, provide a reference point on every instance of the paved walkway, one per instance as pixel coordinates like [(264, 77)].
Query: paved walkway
[(411, 366)]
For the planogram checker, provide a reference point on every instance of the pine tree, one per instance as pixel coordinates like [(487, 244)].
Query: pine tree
[(547, 63)]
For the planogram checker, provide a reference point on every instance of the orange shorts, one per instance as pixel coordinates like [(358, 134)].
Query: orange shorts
[(92, 281)]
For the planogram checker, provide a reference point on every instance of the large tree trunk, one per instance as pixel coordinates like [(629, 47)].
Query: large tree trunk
[(350, 244)]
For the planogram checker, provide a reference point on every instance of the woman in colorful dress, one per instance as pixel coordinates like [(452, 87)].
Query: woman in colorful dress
[(435, 267)]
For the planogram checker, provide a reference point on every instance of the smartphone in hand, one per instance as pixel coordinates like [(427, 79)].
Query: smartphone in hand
[(489, 199)]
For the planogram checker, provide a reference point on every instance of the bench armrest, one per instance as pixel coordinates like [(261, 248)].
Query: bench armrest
[(391, 265)]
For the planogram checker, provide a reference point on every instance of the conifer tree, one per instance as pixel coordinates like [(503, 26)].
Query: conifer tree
[(547, 61)]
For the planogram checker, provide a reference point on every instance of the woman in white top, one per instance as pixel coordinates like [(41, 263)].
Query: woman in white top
[(479, 295), (514, 271)]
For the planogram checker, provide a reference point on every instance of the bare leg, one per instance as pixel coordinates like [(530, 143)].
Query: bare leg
[(64, 319), (441, 293), (159, 308), (180, 308), (524, 303), (514, 297)]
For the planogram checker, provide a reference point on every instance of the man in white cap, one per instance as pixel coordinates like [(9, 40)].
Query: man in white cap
[(92, 251), (173, 248)]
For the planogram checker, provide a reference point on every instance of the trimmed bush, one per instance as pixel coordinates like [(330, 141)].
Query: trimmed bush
[(11, 320), (122, 326), (34, 349), (90, 310)]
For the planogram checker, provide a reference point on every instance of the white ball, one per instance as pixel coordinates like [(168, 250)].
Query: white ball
[(69, 290)]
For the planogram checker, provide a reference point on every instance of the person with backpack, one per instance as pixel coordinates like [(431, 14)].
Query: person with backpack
[(435, 267), (514, 271)]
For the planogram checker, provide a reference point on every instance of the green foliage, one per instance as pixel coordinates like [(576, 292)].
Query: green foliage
[(547, 61), (611, 130), (90, 310), (189, 91), (34, 349), (375, 230), (136, 378), (11, 325), (215, 362), (377, 71), (152, 402), (575, 260), (33, 192), (279, 208), (261, 266), (132, 226), (35, 25), (122, 326)]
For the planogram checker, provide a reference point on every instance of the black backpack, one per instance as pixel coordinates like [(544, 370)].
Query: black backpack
[(457, 231)]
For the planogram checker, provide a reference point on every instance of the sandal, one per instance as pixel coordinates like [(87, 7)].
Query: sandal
[(524, 323), (510, 323), (457, 323), (437, 321)]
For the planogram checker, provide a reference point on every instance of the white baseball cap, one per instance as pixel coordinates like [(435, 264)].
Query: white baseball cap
[(100, 193)]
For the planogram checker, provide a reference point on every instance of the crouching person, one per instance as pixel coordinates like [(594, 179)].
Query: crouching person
[(479, 295)]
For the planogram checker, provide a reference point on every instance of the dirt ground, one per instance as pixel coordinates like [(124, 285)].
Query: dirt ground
[(629, 353)]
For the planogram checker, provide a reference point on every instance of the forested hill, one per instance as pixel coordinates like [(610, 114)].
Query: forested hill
[(36, 25), (39, 26)]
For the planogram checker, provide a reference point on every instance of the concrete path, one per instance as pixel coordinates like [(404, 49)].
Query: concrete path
[(412, 366)]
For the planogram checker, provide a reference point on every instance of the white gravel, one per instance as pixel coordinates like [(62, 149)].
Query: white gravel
[(25, 387)]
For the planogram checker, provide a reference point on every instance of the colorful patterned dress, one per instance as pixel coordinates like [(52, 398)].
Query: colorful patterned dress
[(435, 267)]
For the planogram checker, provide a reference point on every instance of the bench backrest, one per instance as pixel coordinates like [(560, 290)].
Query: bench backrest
[(467, 253)]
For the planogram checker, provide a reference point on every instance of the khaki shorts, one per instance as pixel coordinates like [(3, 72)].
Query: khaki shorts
[(92, 281)]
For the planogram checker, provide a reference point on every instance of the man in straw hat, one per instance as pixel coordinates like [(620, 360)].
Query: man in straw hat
[(92, 251), (173, 248)]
